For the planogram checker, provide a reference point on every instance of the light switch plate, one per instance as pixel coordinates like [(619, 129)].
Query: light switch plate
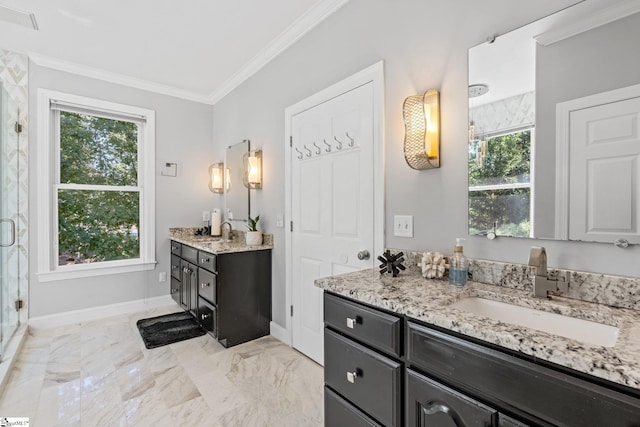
[(403, 225), (280, 220)]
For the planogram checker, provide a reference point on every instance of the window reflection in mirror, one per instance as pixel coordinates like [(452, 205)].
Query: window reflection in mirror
[(500, 184)]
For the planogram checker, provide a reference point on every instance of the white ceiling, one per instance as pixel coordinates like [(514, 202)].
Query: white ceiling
[(195, 49)]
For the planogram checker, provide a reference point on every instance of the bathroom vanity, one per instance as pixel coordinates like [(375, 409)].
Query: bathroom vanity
[(225, 285), (400, 352)]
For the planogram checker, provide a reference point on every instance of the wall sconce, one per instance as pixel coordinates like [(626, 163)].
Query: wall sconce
[(422, 130), (216, 178), (253, 169)]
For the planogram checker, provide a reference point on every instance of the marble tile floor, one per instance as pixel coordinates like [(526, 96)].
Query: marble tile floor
[(100, 374)]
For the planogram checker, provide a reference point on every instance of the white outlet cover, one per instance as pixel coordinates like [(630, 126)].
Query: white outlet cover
[(403, 225)]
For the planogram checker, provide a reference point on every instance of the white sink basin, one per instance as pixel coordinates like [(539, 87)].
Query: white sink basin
[(585, 331)]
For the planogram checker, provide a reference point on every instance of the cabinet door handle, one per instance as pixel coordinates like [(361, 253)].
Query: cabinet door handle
[(351, 376), (205, 285), (435, 406), (174, 267), (173, 291), (174, 248), (352, 322), (205, 316)]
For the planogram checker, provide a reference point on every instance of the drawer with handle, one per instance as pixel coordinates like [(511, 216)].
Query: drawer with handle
[(207, 260), (373, 327), (207, 285), (176, 248), (175, 267), (207, 317), (366, 378)]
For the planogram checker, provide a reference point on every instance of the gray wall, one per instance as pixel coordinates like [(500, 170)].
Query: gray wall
[(183, 135), (422, 48), (596, 61)]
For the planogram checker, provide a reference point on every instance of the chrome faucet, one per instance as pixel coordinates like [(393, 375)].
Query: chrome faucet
[(546, 283), (226, 234)]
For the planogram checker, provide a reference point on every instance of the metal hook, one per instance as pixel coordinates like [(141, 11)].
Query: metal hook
[(328, 149), (309, 151), (339, 143), (318, 149), (352, 140), (299, 153)]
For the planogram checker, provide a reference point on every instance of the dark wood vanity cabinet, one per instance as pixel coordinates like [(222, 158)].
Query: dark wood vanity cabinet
[(362, 372), (451, 381), (229, 293)]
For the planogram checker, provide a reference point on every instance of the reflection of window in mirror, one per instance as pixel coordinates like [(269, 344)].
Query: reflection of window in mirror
[(500, 184)]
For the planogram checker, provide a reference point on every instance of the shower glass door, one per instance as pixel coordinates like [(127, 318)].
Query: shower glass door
[(9, 289)]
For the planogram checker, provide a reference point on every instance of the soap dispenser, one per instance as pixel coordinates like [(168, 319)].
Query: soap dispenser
[(458, 265)]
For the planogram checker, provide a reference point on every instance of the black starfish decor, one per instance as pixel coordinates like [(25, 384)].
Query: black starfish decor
[(391, 263)]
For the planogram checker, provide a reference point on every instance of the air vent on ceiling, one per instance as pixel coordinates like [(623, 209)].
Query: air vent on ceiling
[(18, 17)]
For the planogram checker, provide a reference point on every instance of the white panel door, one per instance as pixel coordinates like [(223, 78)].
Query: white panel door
[(332, 204), (604, 151)]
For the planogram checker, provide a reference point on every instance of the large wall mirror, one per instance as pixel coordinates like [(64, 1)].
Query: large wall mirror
[(236, 193), (554, 128)]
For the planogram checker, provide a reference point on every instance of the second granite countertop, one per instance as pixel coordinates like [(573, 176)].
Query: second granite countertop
[(429, 300)]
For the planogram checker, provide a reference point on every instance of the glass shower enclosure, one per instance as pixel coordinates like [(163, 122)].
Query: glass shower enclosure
[(9, 188)]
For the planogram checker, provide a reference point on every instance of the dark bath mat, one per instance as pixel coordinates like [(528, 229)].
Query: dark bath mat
[(167, 329)]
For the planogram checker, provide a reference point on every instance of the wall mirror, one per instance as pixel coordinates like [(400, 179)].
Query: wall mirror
[(236, 194), (554, 128)]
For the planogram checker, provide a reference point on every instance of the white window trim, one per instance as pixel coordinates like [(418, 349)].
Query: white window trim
[(48, 270)]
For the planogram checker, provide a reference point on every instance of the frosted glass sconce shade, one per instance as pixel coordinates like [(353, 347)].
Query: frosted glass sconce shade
[(253, 169), (422, 130), (216, 178)]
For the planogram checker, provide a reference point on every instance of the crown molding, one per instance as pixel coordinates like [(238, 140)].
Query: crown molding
[(121, 79), (288, 37), (589, 22)]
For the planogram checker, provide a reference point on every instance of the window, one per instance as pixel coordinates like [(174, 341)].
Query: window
[(96, 166), (500, 184)]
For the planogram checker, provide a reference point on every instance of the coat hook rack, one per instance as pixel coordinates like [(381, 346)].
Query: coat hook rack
[(328, 149), (308, 151), (351, 140), (339, 143), (299, 154), (318, 149)]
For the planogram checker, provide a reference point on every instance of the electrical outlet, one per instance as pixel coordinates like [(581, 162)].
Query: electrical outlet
[(403, 225), (162, 277)]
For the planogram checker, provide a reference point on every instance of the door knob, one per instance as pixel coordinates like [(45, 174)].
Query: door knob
[(362, 255)]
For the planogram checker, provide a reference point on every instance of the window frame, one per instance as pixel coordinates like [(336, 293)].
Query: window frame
[(48, 185), (516, 185)]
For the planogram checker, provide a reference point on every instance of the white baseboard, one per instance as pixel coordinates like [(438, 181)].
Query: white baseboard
[(95, 313), (279, 333)]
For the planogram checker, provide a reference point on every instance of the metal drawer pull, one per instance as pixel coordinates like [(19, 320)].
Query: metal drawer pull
[(351, 322), (174, 267), (436, 407), (205, 316), (174, 248), (204, 259), (205, 285), (351, 376), (173, 291)]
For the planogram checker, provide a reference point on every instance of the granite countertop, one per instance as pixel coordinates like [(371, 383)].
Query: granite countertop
[(427, 300), (216, 245)]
